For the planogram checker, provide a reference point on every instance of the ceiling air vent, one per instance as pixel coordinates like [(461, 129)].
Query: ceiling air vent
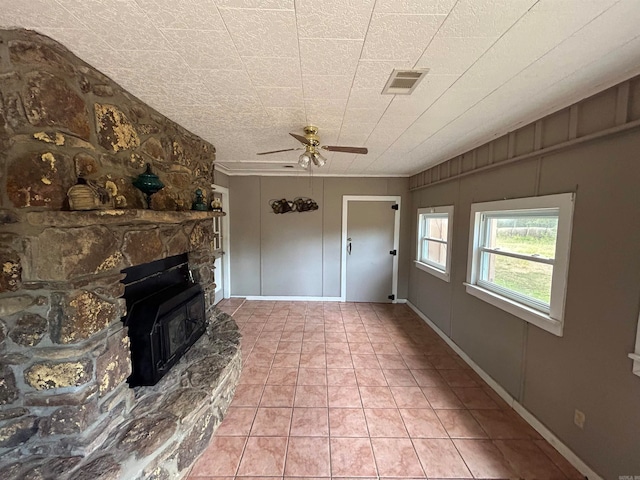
[(404, 82)]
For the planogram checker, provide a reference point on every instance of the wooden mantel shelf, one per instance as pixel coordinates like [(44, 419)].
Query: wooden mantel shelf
[(112, 217)]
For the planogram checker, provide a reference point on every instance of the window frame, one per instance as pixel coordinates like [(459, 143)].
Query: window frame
[(432, 267), (636, 355), (551, 319)]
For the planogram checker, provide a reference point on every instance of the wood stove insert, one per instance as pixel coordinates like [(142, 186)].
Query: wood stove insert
[(166, 315)]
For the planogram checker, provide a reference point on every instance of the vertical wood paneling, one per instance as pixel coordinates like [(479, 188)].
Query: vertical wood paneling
[(634, 99), (482, 155), (597, 113), (555, 128), (500, 148), (537, 137), (573, 122), (609, 109), (511, 146), (622, 104)]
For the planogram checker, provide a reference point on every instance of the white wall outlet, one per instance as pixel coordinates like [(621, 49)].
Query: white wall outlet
[(579, 418)]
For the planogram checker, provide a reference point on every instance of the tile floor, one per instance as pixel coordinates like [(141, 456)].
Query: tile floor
[(343, 390)]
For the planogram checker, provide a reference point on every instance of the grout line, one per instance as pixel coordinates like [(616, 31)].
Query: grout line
[(244, 448), (403, 325)]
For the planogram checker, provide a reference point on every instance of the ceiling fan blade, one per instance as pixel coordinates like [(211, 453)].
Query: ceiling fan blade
[(278, 151), (333, 148), (300, 138)]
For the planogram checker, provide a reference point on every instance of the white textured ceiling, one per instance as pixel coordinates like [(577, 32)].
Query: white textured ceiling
[(244, 73)]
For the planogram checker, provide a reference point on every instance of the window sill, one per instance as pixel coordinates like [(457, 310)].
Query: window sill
[(636, 362), (432, 270), (527, 314)]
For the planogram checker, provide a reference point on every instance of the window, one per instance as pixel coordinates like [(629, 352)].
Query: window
[(519, 257), (434, 234)]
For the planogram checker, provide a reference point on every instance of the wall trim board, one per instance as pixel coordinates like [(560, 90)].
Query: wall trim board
[(617, 130), (548, 435), (303, 173), (303, 299), (484, 375), (527, 416), (635, 356), (288, 298)]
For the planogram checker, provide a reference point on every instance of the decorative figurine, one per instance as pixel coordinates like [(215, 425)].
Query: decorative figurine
[(199, 203), (87, 195), (148, 183), (216, 205), (119, 200), (300, 204), (281, 206)]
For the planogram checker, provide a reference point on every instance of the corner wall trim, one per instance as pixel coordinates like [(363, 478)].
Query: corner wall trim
[(527, 416)]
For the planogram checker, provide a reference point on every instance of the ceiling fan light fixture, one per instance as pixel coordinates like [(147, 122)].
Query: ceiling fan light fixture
[(318, 159), (304, 160), (311, 146)]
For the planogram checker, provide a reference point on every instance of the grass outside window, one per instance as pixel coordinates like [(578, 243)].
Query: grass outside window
[(518, 256), (532, 279), (533, 240)]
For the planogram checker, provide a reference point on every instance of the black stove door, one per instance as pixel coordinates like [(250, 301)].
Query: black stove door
[(175, 327)]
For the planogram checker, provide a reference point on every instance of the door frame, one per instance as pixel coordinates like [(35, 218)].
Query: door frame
[(396, 238), (226, 258)]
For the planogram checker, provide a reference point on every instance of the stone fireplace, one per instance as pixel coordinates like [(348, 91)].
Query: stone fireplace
[(66, 411)]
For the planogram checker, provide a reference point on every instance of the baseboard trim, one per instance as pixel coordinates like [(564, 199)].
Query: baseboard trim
[(300, 298), (527, 416), (290, 298), (548, 435)]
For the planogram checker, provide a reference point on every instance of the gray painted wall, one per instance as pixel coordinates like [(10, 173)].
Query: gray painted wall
[(291, 244), (221, 179), (299, 254), (244, 235), (588, 367)]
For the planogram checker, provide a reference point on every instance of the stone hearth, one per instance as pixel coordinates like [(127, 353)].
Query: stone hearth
[(66, 411), (148, 432)]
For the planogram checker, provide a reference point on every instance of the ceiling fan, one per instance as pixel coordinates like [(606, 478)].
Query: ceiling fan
[(312, 147)]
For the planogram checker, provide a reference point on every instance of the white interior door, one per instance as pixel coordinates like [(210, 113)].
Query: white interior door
[(370, 238)]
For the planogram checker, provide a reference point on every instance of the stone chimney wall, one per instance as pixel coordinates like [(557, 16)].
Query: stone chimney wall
[(64, 354), (61, 119)]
